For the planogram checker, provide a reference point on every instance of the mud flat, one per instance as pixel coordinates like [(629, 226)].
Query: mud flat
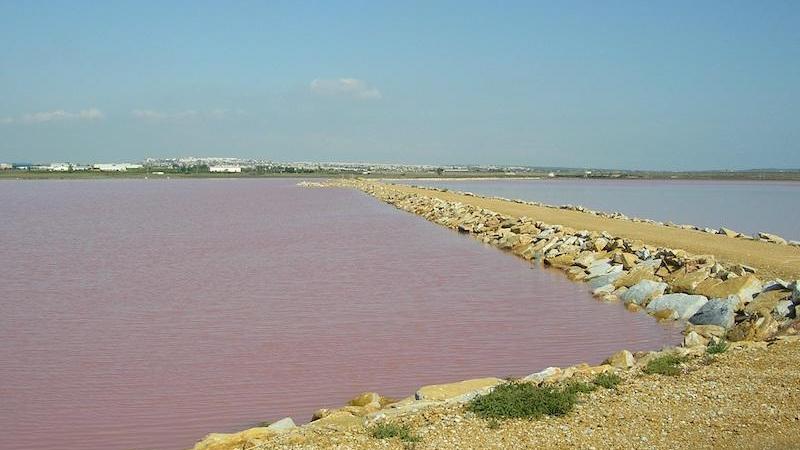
[(732, 383)]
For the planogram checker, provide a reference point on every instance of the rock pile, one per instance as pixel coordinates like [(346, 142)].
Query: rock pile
[(667, 283), (762, 236)]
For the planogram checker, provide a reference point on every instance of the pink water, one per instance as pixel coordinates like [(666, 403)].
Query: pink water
[(140, 314)]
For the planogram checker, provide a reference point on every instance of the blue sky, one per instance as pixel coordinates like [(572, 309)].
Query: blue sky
[(674, 85)]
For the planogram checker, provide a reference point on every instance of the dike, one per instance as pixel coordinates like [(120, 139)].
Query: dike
[(720, 301)]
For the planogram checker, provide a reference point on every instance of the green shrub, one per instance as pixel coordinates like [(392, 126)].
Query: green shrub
[(664, 365), (391, 430), (493, 424), (717, 347), (607, 380), (524, 400), (579, 387)]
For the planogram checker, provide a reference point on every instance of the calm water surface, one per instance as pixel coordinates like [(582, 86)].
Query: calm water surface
[(746, 206), (143, 314)]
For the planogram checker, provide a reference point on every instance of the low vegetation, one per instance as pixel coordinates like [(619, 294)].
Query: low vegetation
[(664, 365), (717, 347), (607, 380), (392, 430), (579, 387), (518, 400)]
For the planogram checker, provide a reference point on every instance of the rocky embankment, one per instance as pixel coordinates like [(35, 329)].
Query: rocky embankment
[(718, 301), (762, 236)]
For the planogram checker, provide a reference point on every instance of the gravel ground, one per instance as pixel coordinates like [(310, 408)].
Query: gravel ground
[(748, 397)]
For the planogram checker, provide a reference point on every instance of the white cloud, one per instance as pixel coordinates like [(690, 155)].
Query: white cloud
[(349, 87), (53, 116), (149, 114)]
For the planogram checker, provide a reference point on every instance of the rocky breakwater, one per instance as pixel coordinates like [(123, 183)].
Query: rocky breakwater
[(718, 301), (669, 284), (723, 231)]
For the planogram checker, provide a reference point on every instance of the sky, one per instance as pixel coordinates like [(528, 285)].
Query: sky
[(671, 85)]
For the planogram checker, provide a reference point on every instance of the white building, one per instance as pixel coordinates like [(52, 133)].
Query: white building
[(5, 166), (225, 169), (59, 167), (110, 167)]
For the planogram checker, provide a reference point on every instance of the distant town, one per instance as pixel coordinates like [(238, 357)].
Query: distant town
[(241, 167)]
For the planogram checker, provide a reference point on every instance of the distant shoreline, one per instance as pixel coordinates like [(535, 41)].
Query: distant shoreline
[(791, 176)]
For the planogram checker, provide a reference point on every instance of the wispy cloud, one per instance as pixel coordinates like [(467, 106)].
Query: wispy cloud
[(54, 116), (348, 87), (150, 114)]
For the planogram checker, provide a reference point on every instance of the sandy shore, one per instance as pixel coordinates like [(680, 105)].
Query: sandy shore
[(746, 398), (770, 260)]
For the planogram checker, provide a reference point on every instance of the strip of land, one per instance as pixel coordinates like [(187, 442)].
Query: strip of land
[(769, 259)]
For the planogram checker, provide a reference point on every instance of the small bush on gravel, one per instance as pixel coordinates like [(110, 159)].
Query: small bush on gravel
[(525, 401), (607, 380), (664, 365), (579, 387), (717, 347), (390, 430)]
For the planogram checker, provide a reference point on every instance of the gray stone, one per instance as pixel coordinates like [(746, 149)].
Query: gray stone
[(693, 339), (603, 280), (774, 238), (785, 308), (654, 263), (684, 305), (796, 292), (641, 292), (545, 374), (775, 284), (717, 311), (602, 290), (599, 267), (284, 424)]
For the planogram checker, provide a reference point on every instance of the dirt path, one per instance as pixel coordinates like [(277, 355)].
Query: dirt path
[(771, 260)]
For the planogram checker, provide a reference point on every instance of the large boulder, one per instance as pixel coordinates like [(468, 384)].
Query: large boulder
[(742, 287), (623, 359), (688, 282), (718, 311), (366, 399), (754, 329), (684, 305), (560, 261), (774, 238), (694, 339), (639, 273), (604, 280), (548, 374), (599, 267), (235, 441), (282, 425), (766, 302), (642, 292), (441, 392)]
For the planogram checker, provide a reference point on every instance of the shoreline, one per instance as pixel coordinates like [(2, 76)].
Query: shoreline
[(789, 176), (718, 298)]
